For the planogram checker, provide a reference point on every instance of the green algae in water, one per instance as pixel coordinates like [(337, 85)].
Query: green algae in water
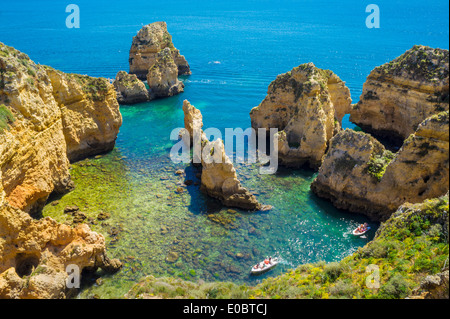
[(162, 226)]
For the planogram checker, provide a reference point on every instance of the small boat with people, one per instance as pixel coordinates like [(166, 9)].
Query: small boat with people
[(361, 230), (264, 266)]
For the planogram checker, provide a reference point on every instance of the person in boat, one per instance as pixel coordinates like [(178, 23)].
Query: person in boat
[(270, 260), (266, 261), (256, 266)]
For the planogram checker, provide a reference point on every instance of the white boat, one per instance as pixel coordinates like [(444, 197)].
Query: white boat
[(358, 233), (263, 267)]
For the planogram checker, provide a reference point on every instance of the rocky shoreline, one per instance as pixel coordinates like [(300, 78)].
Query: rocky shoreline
[(406, 99), (306, 105)]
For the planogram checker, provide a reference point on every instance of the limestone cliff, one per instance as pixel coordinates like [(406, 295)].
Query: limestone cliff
[(49, 118), (34, 255), (218, 177), (148, 42), (307, 105), (162, 76), (359, 174), (399, 95), (90, 113), (130, 89)]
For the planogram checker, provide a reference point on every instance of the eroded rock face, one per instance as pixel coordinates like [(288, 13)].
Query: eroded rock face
[(34, 255), (130, 89), (433, 287), (47, 119), (307, 105), (399, 95), (360, 175), (162, 76), (50, 118), (219, 178), (148, 42)]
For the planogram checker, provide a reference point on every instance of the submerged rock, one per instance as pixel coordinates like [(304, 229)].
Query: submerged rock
[(306, 105), (90, 113), (149, 41), (360, 175), (399, 95), (130, 89)]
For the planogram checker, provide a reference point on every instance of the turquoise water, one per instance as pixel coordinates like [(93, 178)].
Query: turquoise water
[(235, 49)]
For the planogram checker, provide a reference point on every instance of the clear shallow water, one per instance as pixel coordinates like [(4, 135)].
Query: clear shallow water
[(235, 49)]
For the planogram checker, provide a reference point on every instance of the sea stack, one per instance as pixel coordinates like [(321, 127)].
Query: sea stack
[(146, 45), (47, 120), (399, 95), (306, 105), (360, 175), (218, 177), (162, 76)]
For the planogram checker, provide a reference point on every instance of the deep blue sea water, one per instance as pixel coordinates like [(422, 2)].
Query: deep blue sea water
[(235, 49)]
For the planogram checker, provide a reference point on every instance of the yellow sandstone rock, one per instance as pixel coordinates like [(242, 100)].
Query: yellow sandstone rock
[(307, 105), (34, 255), (219, 178), (51, 118)]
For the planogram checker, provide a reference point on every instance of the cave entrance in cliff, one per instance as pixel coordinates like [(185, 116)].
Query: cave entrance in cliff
[(25, 264)]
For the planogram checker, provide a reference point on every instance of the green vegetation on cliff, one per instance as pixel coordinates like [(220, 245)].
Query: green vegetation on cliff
[(378, 163), (6, 117), (410, 245)]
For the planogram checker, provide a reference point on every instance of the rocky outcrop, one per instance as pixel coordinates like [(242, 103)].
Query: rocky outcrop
[(34, 255), (360, 175), (399, 95), (433, 287), (218, 177), (162, 76), (51, 118), (146, 45), (130, 89), (89, 111), (306, 105), (193, 133), (47, 119)]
